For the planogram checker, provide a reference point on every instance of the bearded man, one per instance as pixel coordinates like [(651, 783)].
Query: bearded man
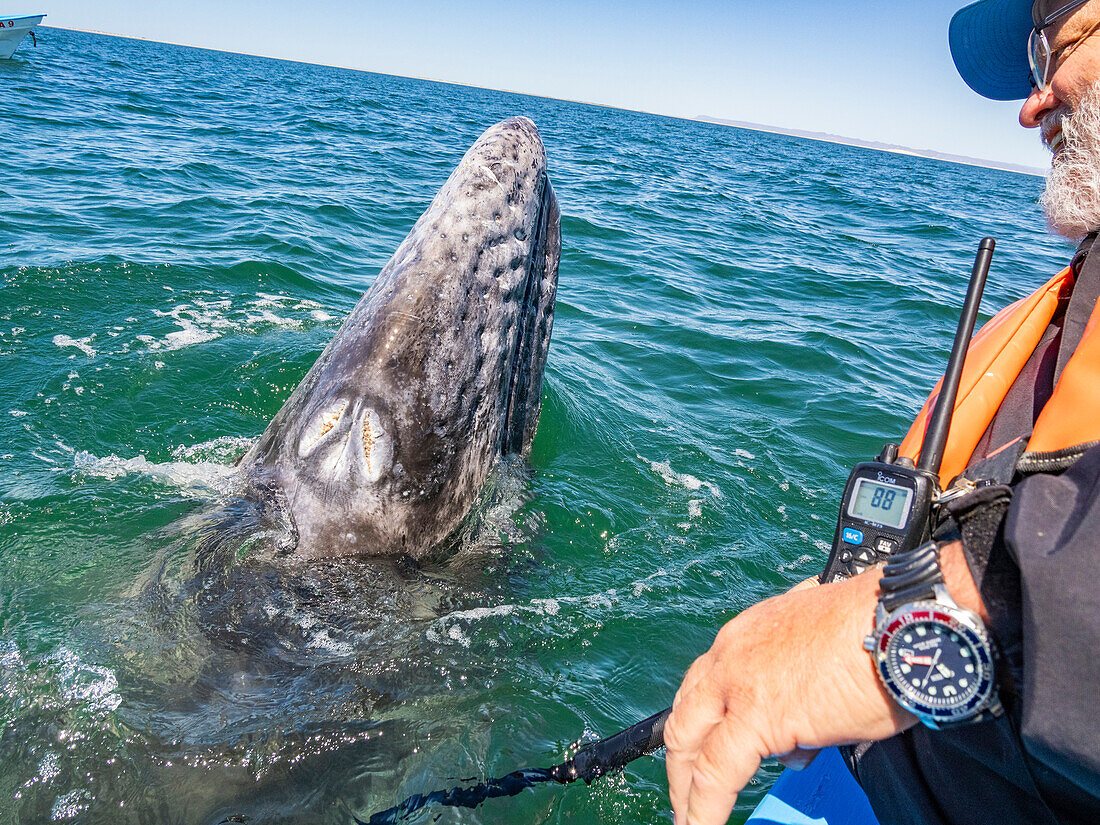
[(1014, 555)]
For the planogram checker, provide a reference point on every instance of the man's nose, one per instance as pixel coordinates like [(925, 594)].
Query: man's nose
[(1038, 104)]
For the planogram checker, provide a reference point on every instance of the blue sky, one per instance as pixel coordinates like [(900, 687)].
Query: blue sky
[(868, 69)]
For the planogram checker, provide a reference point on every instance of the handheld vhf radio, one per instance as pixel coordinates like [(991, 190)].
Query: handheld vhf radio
[(887, 503)]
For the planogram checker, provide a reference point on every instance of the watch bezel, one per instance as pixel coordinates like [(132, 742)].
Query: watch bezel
[(961, 621)]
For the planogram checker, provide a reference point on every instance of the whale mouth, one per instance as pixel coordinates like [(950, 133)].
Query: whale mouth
[(524, 387)]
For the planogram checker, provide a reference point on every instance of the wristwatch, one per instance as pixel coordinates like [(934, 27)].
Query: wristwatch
[(934, 657)]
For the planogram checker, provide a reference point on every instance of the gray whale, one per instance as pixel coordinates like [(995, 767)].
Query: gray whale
[(386, 443)]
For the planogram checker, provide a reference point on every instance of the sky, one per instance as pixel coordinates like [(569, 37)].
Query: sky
[(867, 69)]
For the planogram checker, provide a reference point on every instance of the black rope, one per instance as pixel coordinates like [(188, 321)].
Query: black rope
[(590, 763), (463, 796)]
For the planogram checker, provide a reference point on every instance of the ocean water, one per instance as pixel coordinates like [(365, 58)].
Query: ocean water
[(741, 316)]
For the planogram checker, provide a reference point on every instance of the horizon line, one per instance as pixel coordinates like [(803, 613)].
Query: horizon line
[(806, 134)]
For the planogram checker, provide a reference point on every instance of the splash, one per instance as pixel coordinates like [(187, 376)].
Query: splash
[(204, 477)]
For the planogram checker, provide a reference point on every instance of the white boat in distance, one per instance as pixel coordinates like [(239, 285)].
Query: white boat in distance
[(13, 30)]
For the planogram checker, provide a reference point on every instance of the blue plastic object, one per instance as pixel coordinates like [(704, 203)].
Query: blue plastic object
[(825, 793)]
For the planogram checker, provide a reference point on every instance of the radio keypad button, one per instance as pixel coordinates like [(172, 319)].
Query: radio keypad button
[(886, 546), (853, 536)]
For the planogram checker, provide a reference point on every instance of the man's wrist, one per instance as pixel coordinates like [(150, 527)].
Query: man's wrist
[(859, 596), (958, 580), (929, 646)]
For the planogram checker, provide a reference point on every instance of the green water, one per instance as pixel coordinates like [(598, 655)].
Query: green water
[(741, 316)]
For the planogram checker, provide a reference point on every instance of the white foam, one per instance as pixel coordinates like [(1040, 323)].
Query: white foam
[(224, 449), (268, 299), (204, 476), (684, 480), (82, 344), (189, 333), (475, 614), (323, 641), (266, 316), (457, 625), (71, 804), (10, 657), (794, 565), (455, 634), (547, 607), (687, 482), (206, 319), (49, 768), (92, 687), (68, 385)]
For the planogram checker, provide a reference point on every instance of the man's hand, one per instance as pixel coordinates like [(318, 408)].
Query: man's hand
[(787, 676)]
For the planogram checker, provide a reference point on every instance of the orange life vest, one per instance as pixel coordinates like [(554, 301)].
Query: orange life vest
[(994, 359)]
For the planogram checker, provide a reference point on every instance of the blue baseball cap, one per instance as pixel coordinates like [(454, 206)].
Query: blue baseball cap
[(989, 45)]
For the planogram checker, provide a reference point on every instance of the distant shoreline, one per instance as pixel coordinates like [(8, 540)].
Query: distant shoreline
[(823, 137)]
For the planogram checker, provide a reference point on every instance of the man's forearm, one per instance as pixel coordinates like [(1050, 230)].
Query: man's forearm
[(788, 674)]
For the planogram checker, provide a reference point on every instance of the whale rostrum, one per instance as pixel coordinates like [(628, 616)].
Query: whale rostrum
[(386, 443)]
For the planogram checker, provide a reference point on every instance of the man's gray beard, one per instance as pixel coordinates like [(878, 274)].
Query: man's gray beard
[(1071, 199)]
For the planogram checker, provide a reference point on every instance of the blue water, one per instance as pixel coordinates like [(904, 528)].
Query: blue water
[(741, 316)]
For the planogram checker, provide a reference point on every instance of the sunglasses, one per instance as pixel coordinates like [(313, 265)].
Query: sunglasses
[(1038, 47)]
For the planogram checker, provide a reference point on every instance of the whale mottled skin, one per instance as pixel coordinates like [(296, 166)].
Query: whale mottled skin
[(385, 445)]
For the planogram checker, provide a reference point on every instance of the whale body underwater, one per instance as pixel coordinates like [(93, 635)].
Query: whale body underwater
[(385, 445)]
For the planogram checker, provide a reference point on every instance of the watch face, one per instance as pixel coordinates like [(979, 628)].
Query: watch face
[(934, 664)]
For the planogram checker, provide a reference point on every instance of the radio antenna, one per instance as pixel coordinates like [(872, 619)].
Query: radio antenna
[(935, 437)]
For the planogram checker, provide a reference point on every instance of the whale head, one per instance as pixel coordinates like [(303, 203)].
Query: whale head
[(386, 443)]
